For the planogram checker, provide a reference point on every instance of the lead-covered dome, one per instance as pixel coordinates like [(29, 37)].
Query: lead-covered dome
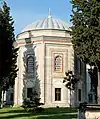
[(47, 23)]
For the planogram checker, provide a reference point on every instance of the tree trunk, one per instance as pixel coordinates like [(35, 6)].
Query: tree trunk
[(98, 88), (0, 97)]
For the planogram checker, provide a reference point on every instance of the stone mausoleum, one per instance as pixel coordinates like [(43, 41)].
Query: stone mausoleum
[(45, 54)]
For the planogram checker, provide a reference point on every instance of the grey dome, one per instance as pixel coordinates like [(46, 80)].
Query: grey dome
[(47, 23)]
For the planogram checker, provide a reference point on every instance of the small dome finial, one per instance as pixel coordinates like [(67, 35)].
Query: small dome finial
[(49, 15)]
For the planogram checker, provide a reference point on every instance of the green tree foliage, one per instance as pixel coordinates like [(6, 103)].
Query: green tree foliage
[(8, 54), (86, 30), (70, 80), (33, 104)]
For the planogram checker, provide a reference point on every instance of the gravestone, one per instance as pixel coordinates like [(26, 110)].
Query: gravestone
[(92, 111), (88, 111)]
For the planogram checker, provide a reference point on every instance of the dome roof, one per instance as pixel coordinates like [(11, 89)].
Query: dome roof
[(47, 23)]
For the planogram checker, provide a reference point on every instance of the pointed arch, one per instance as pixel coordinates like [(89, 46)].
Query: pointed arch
[(30, 64), (58, 63)]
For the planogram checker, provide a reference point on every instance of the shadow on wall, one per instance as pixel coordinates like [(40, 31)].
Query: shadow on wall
[(31, 81)]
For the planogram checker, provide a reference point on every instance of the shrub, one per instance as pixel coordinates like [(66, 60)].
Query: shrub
[(33, 104)]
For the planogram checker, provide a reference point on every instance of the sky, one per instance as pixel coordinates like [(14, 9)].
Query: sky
[(25, 12)]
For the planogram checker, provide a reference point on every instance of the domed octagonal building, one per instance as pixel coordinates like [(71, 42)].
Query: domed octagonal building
[(45, 54)]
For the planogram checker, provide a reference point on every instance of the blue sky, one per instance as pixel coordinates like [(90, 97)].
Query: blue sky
[(25, 12)]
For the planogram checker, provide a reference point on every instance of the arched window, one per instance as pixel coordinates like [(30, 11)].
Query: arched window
[(30, 64), (58, 63)]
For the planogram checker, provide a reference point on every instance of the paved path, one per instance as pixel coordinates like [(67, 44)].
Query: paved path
[(55, 114)]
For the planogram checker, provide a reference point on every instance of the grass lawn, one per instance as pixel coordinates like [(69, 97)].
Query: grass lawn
[(48, 113)]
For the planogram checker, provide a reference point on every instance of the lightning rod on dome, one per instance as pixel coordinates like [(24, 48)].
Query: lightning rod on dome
[(49, 16)]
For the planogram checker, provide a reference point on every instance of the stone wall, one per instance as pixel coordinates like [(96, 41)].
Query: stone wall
[(92, 114), (92, 111), (89, 111)]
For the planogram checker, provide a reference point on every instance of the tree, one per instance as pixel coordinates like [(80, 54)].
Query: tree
[(8, 54), (86, 31), (70, 81), (34, 104)]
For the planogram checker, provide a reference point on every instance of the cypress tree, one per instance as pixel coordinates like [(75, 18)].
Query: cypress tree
[(86, 32), (8, 54)]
